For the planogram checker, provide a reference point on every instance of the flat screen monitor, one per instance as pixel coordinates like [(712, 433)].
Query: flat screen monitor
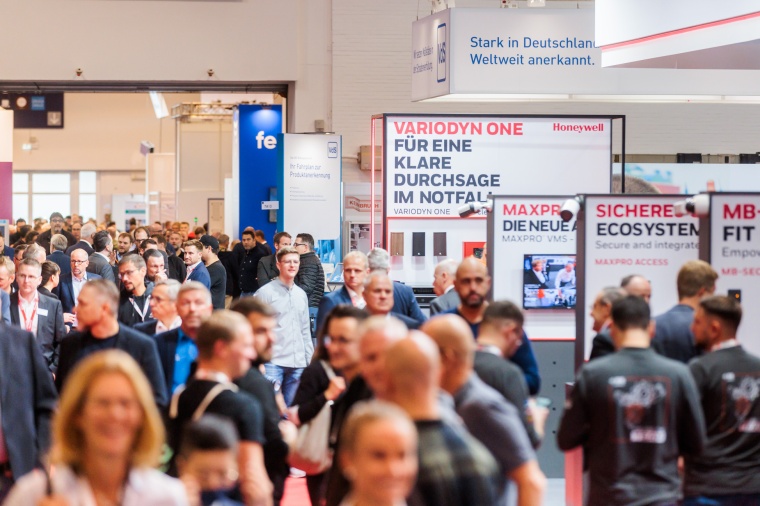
[(549, 281)]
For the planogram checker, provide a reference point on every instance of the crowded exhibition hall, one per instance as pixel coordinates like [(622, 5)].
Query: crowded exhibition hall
[(361, 253)]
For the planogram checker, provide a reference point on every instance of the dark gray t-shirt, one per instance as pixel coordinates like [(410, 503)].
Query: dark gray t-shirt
[(728, 381), (496, 423)]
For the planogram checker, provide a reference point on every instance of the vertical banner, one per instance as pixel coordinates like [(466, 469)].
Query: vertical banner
[(6, 165), (309, 189), (257, 127), (734, 252), (621, 235), (523, 231)]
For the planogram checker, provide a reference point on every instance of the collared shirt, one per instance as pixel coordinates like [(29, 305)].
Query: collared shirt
[(447, 290), (28, 312), (77, 284), (356, 299), (564, 277), (292, 346), (185, 355), (160, 327), (190, 269)]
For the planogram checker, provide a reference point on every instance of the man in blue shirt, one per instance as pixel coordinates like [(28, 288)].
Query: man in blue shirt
[(176, 347)]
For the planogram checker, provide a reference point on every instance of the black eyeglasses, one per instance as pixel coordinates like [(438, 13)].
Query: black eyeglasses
[(296, 244)]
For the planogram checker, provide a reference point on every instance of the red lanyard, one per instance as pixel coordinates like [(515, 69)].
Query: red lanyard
[(28, 322)]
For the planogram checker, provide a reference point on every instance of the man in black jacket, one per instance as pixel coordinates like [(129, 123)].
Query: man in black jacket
[(56, 227), (98, 329), (250, 263), (311, 276), (267, 270)]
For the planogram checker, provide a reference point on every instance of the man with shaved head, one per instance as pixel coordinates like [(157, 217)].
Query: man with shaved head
[(376, 335), (486, 414), (71, 284), (454, 468), (473, 283)]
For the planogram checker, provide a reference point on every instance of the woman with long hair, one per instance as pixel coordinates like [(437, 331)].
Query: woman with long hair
[(107, 439)]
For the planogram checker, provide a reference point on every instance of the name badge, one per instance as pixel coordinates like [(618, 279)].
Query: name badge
[(42, 312)]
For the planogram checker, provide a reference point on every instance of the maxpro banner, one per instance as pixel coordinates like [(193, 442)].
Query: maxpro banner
[(524, 230), (309, 187), (734, 240), (631, 234)]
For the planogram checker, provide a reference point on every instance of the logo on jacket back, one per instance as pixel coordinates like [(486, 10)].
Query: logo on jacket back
[(441, 45), (332, 150)]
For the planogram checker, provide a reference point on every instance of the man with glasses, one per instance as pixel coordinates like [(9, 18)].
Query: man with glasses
[(36, 313), (163, 306), (134, 303), (71, 284), (293, 347), (56, 227)]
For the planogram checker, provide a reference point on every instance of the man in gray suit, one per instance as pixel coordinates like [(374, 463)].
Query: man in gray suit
[(37, 313), (443, 285), (100, 261)]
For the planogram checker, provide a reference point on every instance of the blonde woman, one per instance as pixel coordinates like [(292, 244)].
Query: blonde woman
[(107, 437), (379, 455)]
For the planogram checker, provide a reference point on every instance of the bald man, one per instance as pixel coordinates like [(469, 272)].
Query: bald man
[(473, 283), (638, 286), (454, 468), (376, 335), (487, 415), (379, 297)]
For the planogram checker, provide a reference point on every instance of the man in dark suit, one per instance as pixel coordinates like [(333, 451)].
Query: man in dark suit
[(404, 301), (354, 274), (267, 270), (85, 240), (5, 250), (70, 284), (98, 329), (443, 286), (28, 399), (100, 260), (536, 276), (59, 244), (176, 347), (163, 308), (56, 227), (37, 313), (673, 337), (601, 312), (196, 271), (378, 294)]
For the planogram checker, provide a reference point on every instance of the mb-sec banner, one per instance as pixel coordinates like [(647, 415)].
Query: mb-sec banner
[(624, 235)]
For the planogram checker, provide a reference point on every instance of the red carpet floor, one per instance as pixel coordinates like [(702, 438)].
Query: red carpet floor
[(296, 493)]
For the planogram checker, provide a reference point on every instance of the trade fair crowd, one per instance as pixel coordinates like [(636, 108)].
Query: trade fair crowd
[(164, 366)]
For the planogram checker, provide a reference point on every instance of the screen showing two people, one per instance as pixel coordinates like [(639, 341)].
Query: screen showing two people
[(549, 282)]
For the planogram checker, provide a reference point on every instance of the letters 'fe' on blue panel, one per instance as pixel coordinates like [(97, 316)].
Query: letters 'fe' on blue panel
[(259, 127)]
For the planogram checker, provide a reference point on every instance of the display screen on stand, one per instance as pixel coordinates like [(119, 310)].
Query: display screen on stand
[(549, 281)]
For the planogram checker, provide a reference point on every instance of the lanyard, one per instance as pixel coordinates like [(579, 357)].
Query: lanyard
[(28, 322), (145, 307)]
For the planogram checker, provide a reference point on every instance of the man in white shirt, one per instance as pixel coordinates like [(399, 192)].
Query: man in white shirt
[(565, 277), (293, 347), (36, 313)]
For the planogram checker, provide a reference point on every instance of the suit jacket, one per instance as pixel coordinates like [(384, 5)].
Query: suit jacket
[(77, 345), (44, 239), (200, 274), (82, 244), (5, 302), (147, 327), (328, 302), (405, 303), (27, 397), (673, 337), (166, 344), (602, 345), (448, 300), (50, 327), (45, 291), (8, 252), (66, 290), (267, 270), (62, 259), (100, 266), (530, 278)]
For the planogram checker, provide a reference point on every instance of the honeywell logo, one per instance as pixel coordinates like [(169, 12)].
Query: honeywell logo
[(564, 127)]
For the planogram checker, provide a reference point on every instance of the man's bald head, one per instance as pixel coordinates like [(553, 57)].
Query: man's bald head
[(376, 335), (472, 282), (638, 286), (413, 368), (452, 335)]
